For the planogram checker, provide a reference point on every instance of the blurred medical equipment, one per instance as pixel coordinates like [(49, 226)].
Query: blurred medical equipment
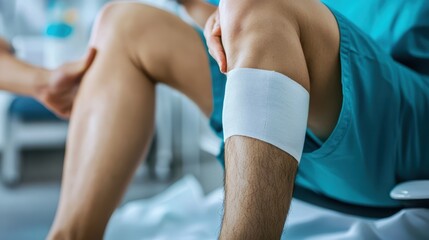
[(65, 38), (412, 193), (182, 132), (2, 30), (28, 125)]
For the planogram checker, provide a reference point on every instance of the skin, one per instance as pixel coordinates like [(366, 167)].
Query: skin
[(56, 89), (112, 122), (275, 36), (137, 48)]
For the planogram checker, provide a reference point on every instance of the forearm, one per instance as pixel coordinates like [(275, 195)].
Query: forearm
[(19, 77), (258, 189)]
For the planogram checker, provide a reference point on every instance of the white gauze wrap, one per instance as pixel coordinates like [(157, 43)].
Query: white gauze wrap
[(267, 106)]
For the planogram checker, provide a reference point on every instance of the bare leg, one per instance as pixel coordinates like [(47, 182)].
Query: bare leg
[(138, 46), (279, 36)]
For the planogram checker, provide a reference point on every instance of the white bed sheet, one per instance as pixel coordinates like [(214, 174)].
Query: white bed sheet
[(183, 212)]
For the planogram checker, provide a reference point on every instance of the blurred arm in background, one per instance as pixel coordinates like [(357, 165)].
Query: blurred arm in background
[(56, 88)]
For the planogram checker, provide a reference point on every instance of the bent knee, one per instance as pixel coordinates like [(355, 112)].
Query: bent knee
[(243, 17), (255, 27), (247, 17), (265, 37), (125, 21)]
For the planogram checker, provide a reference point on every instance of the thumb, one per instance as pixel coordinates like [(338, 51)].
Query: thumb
[(89, 59)]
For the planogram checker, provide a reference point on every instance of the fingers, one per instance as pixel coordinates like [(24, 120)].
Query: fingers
[(66, 114), (216, 47), (62, 109), (63, 115), (4, 46), (89, 59), (213, 35)]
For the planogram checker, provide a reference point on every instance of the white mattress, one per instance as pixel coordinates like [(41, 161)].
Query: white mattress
[(183, 212)]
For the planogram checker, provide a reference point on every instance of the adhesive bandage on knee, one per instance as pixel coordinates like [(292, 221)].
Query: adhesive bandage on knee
[(267, 106)]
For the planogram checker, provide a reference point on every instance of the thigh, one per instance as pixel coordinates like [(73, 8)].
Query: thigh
[(320, 39), (174, 54)]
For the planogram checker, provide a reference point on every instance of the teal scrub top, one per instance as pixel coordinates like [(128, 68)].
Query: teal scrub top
[(400, 27)]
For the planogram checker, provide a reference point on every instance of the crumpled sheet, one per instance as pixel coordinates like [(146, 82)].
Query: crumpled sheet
[(183, 212)]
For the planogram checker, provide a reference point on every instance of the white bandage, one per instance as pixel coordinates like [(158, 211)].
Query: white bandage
[(267, 106)]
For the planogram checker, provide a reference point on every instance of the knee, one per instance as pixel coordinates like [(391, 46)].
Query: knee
[(256, 26), (118, 22), (246, 17)]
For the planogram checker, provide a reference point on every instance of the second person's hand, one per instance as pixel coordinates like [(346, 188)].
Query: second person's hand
[(60, 86)]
